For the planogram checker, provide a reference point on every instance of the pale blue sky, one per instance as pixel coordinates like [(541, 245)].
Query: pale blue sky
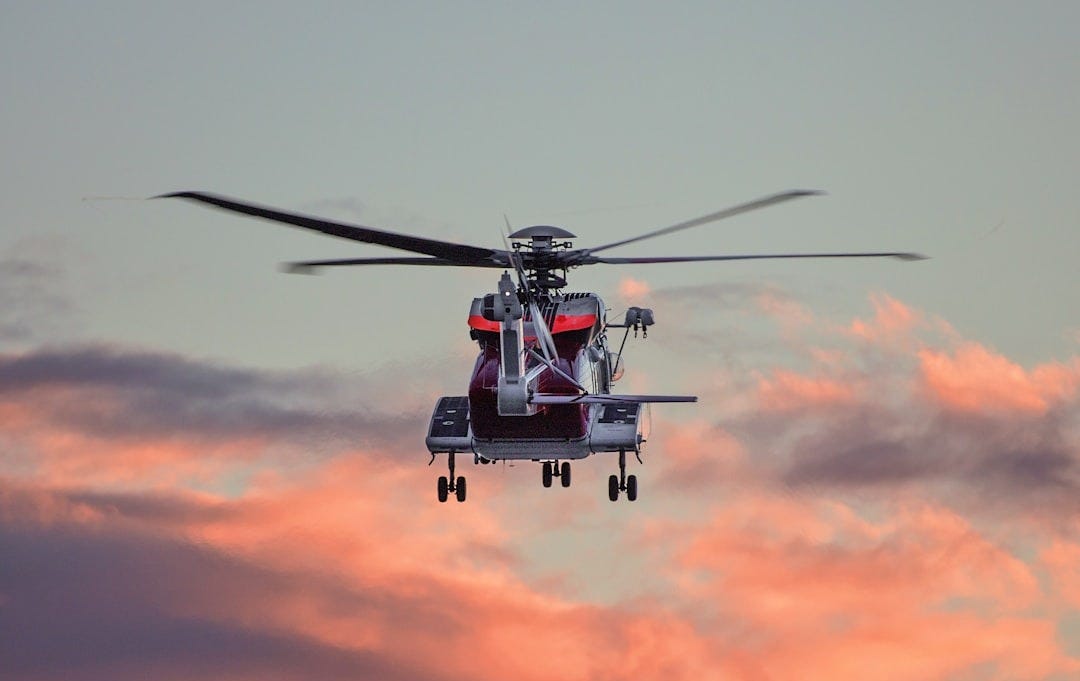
[(943, 128)]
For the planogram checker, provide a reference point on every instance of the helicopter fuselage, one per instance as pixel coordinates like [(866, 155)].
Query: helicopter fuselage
[(553, 431)]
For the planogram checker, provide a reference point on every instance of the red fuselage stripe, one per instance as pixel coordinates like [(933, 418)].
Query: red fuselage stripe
[(563, 322)]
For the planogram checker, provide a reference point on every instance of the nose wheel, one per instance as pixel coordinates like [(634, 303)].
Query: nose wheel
[(554, 470), (450, 485), (622, 482)]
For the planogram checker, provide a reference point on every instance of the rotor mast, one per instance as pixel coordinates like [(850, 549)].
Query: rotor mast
[(541, 255)]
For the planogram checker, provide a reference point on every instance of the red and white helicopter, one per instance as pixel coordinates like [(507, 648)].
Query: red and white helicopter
[(541, 389)]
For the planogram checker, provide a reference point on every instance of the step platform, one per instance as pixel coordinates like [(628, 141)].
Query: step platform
[(449, 430), (619, 426)]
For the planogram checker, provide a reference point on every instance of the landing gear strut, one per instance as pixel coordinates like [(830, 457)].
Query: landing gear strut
[(622, 482), (449, 484), (553, 469)]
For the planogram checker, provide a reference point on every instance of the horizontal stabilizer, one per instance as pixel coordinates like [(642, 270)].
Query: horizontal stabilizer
[(542, 398)]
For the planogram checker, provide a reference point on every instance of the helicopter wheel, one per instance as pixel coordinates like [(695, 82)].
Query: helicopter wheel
[(547, 474), (622, 482), (564, 474), (448, 484)]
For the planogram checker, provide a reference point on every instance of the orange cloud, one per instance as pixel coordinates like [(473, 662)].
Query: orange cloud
[(359, 561), (819, 593), (335, 564), (973, 379), (342, 565), (1062, 560), (633, 290), (892, 321), (787, 391), (696, 454), (784, 309)]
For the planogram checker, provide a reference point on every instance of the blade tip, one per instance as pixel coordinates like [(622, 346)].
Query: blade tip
[(298, 268), (911, 257), (179, 195)]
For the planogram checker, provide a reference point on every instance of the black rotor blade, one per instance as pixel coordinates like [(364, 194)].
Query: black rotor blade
[(712, 217), (768, 256), (309, 266), (440, 249)]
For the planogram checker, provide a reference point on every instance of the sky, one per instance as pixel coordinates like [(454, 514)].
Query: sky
[(212, 469)]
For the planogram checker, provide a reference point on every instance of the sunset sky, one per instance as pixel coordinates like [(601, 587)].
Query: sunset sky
[(210, 469)]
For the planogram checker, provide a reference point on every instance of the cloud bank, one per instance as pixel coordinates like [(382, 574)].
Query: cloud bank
[(896, 502)]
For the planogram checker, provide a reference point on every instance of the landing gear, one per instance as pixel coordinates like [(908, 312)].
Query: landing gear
[(449, 484), (622, 482), (554, 470)]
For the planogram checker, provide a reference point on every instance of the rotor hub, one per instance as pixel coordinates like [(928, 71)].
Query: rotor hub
[(540, 256), (542, 231)]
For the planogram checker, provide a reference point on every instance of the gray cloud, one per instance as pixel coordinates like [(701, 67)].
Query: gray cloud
[(31, 300), (115, 393), (994, 461), (121, 599), (160, 508)]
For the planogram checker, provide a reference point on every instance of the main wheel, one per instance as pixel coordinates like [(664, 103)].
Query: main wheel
[(547, 474), (564, 474), (631, 487), (444, 488), (613, 487), (460, 487)]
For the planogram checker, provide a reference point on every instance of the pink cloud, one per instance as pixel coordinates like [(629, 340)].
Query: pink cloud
[(633, 291), (696, 454), (788, 391), (820, 593), (348, 563), (892, 321), (1062, 559), (784, 309), (974, 379), (359, 559), (310, 564)]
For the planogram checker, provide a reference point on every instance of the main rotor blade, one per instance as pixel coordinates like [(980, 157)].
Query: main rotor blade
[(769, 256), (309, 266), (713, 217), (441, 249)]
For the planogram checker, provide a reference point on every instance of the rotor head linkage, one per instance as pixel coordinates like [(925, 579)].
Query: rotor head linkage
[(542, 256)]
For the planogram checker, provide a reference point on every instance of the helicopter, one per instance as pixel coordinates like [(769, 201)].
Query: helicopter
[(541, 387)]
